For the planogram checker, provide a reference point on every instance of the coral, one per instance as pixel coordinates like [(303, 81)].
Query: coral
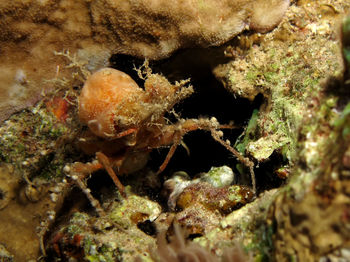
[(275, 72), (206, 200), (5, 255), (249, 223), (134, 210), (31, 195), (312, 215), (267, 14), (30, 140), (321, 198), (155, 29), (8, 184), (216, 177), (300, 119), (223, 199), (213, 190), (24, 211), (113, 237), (32, 31)]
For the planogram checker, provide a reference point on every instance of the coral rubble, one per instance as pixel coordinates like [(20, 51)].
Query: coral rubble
[(115, 236)]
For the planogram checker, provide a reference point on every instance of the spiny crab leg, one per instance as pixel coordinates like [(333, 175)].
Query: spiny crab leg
[(213, 126), (103, 159), (246, 161), (125, 133), (168, 157), (86, 168), (77, 172)]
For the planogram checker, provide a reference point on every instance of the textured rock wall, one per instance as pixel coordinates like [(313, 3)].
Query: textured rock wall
[(155, 29)]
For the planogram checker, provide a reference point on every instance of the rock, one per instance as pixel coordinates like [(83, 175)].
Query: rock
[(155, 29)]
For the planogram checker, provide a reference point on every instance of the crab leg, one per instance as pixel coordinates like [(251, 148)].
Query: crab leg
[(125, 133), (77, 172), (103, 159), (86, 168), (213, 126), (185, 127), (167, 158), (246, 161)]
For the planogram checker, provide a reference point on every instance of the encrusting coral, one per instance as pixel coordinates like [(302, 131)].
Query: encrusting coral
[(155, 29), (213, 190)]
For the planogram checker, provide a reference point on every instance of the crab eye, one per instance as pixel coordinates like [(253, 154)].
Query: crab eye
[(94, 126)]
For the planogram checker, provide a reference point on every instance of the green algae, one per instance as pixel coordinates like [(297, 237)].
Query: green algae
[(235, 194), (134, 210), (249, 133), (287, 75), (31, 141), (102, 239), (316, 192), (346, 41), (103, 254), (218, 176)]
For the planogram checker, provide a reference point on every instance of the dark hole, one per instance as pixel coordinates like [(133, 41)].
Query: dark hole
[(25, 133), (193, 236), (127, 64), (2, 195), (102, 186), (210, 99), (148, 228), (296, 219), (266, 178), (305, 230)]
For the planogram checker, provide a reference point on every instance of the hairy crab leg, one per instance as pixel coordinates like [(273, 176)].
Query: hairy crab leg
[(185, 127), (167, 158), (86, 168), (245, 160), (213, 126), (125, 133), (103, 159), (77, 172)]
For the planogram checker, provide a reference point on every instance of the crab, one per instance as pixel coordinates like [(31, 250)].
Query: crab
[(126, 122)]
